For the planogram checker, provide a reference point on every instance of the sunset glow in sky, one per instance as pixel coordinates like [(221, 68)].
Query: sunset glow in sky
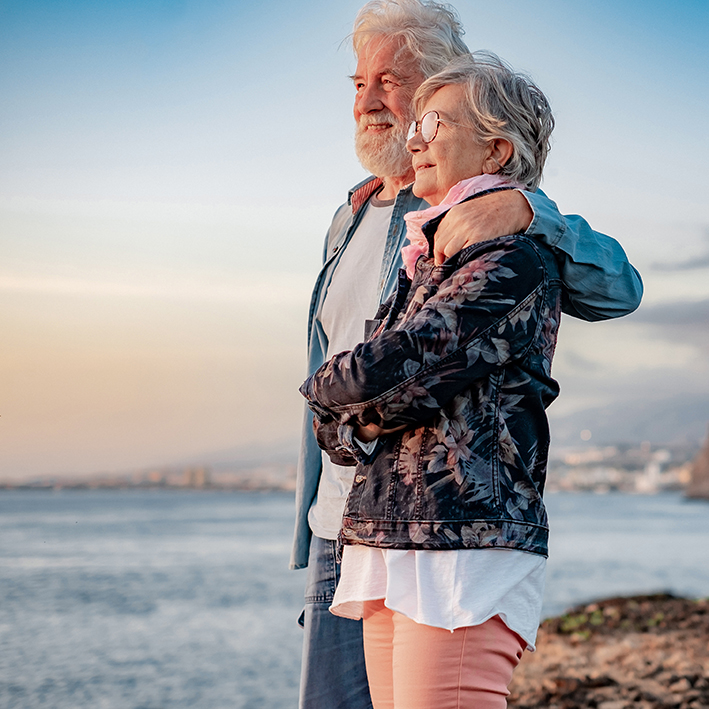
[(168, 169)]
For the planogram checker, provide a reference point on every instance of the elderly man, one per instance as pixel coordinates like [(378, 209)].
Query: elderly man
[(398, 44)]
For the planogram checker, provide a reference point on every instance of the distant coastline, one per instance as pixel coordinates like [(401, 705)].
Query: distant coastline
[(644, 469), (279, 478)]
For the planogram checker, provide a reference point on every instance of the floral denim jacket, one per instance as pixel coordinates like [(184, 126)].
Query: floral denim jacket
[(462, 358)]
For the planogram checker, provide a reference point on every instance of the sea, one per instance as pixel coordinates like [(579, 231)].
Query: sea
[(170, 599)]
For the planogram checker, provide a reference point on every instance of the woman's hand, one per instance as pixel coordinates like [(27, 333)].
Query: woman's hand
[(496, 214), (371, 431)]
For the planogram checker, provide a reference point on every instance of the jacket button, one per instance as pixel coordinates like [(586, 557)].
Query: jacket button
[(335, 249), (360, 478)]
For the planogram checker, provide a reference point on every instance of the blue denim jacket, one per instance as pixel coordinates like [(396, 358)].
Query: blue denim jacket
[(599, 283)]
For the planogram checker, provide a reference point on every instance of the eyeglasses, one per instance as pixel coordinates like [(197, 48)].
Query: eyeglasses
[(428, 125)]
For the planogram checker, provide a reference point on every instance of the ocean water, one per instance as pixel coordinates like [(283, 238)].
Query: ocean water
[(171, 599)]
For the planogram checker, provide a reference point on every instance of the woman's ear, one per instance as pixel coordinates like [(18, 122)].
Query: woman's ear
[(499, 152)]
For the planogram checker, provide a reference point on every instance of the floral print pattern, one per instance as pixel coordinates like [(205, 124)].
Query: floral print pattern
[(461, 359)]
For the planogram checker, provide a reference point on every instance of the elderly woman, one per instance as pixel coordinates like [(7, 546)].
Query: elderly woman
[(442, 410)]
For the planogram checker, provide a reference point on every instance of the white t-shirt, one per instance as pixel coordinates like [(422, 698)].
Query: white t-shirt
[(351, 298)]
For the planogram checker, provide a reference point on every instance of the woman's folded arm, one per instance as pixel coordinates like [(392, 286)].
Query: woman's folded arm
[(485, 314)]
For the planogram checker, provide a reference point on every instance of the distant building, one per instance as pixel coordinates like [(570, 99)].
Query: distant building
[(699, 485), (197, 478), (156, 477), (643, 469)]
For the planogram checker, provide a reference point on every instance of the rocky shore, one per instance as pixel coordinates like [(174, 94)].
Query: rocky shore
[(643, 652)]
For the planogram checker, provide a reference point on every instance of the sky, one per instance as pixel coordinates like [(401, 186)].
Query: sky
[(168, 170)]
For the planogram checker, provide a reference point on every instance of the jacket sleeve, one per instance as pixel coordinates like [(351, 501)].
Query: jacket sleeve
[(484, 315), (599, 282)]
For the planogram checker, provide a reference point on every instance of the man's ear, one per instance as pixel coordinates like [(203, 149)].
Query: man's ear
[(499, 152)]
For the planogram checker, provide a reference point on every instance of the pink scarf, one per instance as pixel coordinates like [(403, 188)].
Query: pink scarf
[(418, 245)]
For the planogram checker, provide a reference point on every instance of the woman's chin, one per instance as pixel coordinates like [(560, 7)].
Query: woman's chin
[(424, 192)]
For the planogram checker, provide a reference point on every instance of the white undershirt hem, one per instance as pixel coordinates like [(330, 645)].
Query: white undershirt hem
[(445, 589)]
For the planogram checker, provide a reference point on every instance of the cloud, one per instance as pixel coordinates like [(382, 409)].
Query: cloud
[(683, 322), (679, 315), (700, 261)]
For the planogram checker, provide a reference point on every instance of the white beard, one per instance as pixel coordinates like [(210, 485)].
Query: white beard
[(383, 154)]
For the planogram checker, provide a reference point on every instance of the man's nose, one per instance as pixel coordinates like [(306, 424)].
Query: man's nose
[(370, 99)]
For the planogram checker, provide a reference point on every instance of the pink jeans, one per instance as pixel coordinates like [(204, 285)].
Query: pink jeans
[(415, 666)]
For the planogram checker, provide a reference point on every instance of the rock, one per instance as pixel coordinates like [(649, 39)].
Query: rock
[(680, 686), (645, 652)]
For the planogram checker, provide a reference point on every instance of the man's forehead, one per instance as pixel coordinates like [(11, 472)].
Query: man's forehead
[(385, 55)]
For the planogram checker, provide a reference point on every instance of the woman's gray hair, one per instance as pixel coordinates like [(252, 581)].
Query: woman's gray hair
[(500, 103), (431, 31)]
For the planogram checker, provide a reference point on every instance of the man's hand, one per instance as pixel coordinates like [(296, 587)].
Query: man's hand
[(482, 219), (326, 436), (371, 431)]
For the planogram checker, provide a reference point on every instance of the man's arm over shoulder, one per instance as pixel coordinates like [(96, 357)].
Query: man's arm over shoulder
[(599, 281)]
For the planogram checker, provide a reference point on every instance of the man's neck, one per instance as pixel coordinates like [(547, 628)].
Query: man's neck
[(392, 185)]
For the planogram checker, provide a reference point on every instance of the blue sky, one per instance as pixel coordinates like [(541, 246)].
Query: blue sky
[(168, 171)]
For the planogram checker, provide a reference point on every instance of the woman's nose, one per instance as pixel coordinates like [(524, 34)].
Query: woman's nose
[(415, 144)]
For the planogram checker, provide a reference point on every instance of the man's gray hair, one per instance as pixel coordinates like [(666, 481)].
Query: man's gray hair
[(500, 103), (431, 31)]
